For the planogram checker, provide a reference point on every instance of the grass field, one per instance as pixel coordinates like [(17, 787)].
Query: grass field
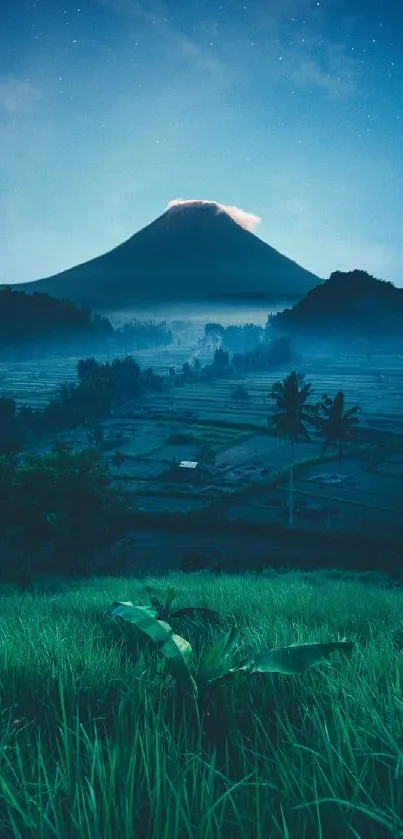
[(95, 743)]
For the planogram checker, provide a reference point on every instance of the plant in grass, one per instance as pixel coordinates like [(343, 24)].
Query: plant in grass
[(161, 602), (292, 412), (336, 424), (215, 664)]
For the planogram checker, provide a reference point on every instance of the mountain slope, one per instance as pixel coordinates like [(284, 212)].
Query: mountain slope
[(191, 252), (350, 308)]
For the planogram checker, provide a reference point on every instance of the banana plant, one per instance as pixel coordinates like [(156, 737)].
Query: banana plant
[(162, 601), (214, 665), (176, 650)]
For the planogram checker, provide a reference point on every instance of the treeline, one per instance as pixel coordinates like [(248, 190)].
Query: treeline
[(36, 325), (104, 386), (141, 334), (264, 358), (235, 338), (101, 387), (351, 308)]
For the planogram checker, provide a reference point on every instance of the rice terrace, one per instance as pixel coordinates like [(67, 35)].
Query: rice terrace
[(247, 479)]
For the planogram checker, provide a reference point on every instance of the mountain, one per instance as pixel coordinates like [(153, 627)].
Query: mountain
[(350, 308), (193, 251)]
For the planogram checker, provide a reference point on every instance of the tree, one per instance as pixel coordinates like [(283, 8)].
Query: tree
[(291, 413), (221, 361), (336, 424), (213, 333), (10, 437), (58, 511), (240, 394), (187, 372)]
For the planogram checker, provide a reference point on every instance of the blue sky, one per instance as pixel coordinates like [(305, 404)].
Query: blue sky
[(288, 109)]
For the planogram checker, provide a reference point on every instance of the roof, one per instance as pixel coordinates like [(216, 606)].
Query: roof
[(188, 464)]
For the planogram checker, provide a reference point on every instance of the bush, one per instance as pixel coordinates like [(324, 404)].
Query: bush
[(58, 512)]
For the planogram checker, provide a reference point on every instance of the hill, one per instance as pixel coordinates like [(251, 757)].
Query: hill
[(352, 307), (193, 252), (34, 325)]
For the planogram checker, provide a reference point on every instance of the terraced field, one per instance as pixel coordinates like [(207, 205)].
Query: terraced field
[(248, 480), (36, 382), (377, 387), (376, 384)]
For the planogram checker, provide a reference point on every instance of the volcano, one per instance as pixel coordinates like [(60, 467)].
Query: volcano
[(194, 252)]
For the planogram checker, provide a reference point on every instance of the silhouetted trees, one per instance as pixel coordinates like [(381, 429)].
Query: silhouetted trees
[(352, 307), (36, 324), (31, 322), (10, 430), (240, 394), (102, 386), (221, 363), (336, 424), (213, 333), (292, 413), (235, 338), (267, 356), (138, 335), (278, 352), (58, 512)]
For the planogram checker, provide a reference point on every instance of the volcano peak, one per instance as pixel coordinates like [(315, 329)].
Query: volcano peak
[(195, 251)]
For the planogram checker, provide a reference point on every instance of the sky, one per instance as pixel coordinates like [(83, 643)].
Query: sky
[(290, 111)]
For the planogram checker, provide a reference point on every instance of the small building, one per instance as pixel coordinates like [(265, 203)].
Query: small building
[(188, 464)]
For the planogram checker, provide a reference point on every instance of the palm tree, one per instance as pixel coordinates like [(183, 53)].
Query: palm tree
[(336, 424), (291, 414)]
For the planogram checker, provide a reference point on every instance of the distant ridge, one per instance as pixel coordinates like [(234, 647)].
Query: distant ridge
[(351, 308), (193, 252)]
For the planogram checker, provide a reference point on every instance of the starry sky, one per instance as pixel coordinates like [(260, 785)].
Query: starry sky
[(291, 110)]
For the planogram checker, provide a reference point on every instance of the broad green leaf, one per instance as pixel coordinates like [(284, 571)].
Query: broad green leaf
[(295, 658), (176, 642), (144, 619), (213, 665), (169, 596), (178, 652), (231, 641)]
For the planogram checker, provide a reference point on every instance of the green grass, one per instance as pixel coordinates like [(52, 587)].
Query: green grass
[(96, 744)]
